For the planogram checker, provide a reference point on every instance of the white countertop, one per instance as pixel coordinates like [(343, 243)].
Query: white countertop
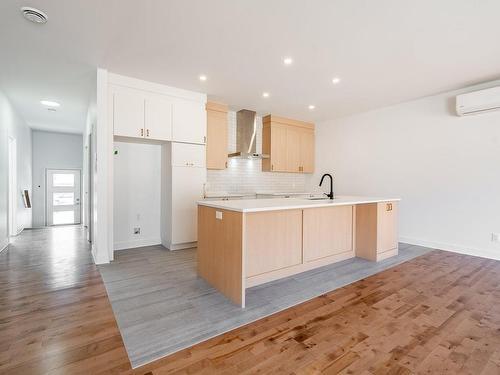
[(275, 204), (278, 193)]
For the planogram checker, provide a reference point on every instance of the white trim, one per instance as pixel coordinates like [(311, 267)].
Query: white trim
[(123, 245), (179, 246), (483, 253), (116, 79)]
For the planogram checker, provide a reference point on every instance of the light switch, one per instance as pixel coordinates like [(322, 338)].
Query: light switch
[(218, 215)]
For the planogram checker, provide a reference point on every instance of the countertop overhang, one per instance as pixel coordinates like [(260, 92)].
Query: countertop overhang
[(276, 204)]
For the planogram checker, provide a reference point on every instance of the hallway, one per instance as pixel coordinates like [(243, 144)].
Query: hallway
[(55, 316)]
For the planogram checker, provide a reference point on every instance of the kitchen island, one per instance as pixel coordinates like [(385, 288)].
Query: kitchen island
[(244, 243)]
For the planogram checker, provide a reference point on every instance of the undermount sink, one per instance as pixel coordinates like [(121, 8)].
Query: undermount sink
[(320, 199)]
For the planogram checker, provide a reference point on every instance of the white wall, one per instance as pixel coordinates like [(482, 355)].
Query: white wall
[(54, 151), (445, 168), (11, 125), (136, 194), (246, 176)]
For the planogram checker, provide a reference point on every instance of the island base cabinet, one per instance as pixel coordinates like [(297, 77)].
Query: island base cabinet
[(273, 241), (377, 230), (328, 231), (220, 253)]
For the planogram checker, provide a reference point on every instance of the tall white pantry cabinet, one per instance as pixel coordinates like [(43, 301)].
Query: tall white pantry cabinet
[(147, 112)]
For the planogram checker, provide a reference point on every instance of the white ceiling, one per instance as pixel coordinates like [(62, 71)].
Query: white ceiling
[(385, 52)]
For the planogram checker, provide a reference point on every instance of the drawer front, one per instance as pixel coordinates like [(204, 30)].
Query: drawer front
[(387, 226), (188, 155)]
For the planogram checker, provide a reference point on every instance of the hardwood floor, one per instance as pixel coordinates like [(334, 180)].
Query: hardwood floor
[(55, 317), (436, 314)]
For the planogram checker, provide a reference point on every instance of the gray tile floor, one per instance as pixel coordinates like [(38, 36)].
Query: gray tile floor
[(162, 306)]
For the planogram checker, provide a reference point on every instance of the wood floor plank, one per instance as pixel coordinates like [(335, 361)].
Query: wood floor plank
[(435, 314)]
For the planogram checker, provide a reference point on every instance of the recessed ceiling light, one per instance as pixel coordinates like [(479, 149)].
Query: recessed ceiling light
[(311, 106), (34, 15), (49, 103), (203, 77), (287, 61), (335, 80), (265, 95)]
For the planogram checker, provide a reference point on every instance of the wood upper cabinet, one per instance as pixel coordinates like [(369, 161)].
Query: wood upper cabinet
[(307, 150), (217, 135), (289, 144)]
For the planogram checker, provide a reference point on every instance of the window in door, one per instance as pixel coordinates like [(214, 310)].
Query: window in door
[(63, 196)]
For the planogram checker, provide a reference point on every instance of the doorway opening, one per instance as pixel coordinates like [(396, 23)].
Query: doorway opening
[(12, 187), (63, 196)]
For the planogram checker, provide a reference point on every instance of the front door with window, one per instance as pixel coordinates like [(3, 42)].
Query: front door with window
[(63, 196)]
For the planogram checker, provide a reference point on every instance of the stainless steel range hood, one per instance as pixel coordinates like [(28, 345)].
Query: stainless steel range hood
[(246, 136)]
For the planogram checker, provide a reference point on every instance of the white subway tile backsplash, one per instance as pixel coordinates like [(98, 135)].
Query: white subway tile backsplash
[(246, 176)]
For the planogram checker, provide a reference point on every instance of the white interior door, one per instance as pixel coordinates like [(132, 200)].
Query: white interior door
[(63, 196)]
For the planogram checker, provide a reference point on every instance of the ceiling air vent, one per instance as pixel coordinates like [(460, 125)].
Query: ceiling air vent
[(34, 15)]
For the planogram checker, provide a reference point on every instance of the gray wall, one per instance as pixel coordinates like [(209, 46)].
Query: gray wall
[(12, 125), (52, 151)]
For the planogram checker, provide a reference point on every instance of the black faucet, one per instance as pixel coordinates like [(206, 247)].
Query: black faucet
[(330, 195)]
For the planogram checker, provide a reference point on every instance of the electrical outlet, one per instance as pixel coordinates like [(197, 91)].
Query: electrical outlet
[(137, 230), (495, 237)]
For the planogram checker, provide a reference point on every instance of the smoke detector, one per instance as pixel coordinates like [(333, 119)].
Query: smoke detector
[(34, 15)]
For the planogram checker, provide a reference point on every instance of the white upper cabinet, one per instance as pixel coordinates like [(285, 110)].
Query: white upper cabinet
[(189, 122), (128, 112), (188, 155), (144, 114), (158, 118)]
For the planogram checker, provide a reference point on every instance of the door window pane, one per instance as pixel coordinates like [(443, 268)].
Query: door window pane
[(63, 179), (63, 199), (63, 217)]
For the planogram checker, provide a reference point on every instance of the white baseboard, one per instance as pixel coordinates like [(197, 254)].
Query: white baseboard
[(179, 246), (122, 245), (483, 253)]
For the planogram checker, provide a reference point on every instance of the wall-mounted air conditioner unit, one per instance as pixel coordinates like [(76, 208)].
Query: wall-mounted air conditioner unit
[(478, 101)]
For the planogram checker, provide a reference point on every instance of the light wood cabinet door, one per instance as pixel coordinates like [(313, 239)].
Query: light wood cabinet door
[(278, 148), (128, 113), (216, 139), (189, 121), (273, 241), (328, 231), (158, 118), (293, 154), (307, 151), (387, 226)]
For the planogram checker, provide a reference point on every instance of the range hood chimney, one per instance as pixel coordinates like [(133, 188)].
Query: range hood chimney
[(246, 135)]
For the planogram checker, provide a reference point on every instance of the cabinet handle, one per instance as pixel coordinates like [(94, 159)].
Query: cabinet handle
[(388, 207), (142, 132), (205, 139), (272, 167), (147, 132)]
